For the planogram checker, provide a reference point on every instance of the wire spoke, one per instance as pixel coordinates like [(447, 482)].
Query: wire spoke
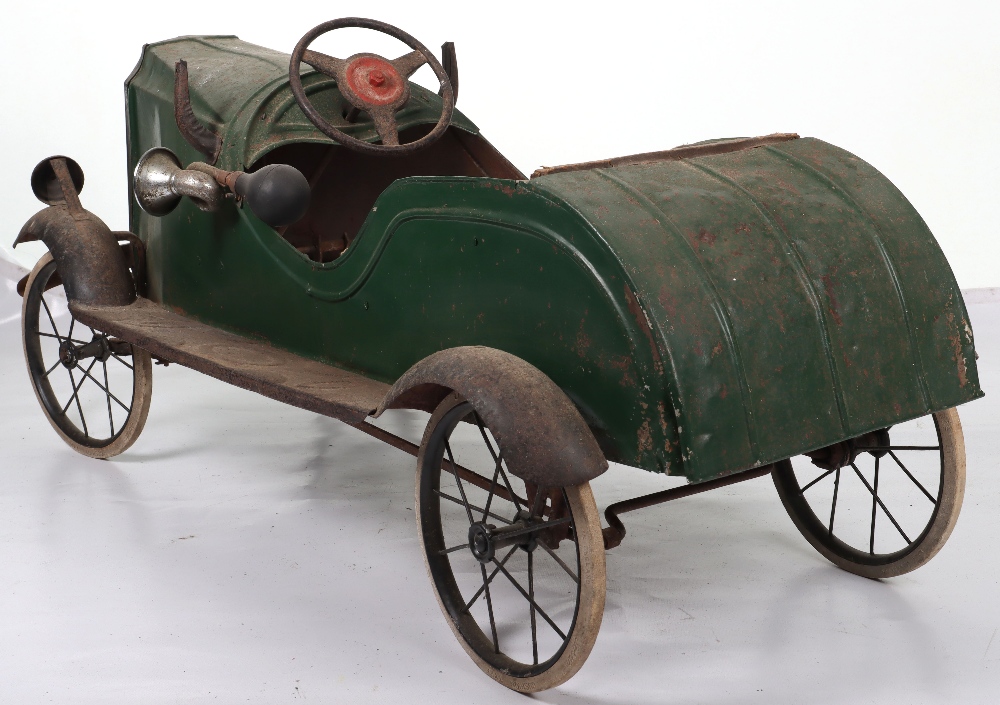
[(72, 324), (474, 479), (513, 495), (833, 508), (493, 487), (458, 481), (122, 361), (801, 491), (111, 421), (899, 448), (49, 371), (104, 389), (498, 460), (61, 338), (51, 319), (490, 579), (76, 396), (459, 547), (489, 607), (903, 468), (559, 561), (535, 528), (530, 600), (891, 518), (486, 439), (871, 540), (76, 390), (456, 500)]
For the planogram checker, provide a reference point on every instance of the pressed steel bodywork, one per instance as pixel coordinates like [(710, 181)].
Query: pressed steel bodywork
[(706, 314)]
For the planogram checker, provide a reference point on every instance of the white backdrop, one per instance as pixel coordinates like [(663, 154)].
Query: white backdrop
[(248, 551), (913, 87)]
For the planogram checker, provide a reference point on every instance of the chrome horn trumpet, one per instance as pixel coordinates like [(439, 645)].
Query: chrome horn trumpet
[(160, 182)]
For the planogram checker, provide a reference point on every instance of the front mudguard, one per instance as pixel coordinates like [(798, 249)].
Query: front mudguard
[(544, 438), (90, 262)]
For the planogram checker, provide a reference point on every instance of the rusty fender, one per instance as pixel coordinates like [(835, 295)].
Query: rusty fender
[(89, 260), (544, 438)]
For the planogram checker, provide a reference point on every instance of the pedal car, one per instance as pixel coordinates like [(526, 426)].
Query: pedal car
[(327, 233)]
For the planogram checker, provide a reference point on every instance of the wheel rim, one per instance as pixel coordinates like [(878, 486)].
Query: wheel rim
[(515, 603), (84, 380), (881, 508)]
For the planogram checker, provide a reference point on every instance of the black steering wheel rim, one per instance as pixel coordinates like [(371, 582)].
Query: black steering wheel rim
[(295, 80)]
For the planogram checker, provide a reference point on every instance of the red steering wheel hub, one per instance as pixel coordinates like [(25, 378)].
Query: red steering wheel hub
[(374, 80)]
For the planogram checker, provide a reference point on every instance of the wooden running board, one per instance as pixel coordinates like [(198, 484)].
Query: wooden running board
[(245, 363)]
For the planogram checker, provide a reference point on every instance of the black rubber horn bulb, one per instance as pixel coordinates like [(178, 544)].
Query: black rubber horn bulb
[(278, 194)]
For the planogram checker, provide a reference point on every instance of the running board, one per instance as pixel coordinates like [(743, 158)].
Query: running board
[(246, 363)]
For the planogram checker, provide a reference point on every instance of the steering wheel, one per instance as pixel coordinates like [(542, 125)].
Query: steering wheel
[(373, 84)]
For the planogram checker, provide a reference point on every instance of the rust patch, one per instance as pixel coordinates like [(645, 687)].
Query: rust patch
[(831, 295), (668, 445), (643, 322), (743, 228), (645, 437), (668, 302), (706, 237), (582, 340), (191, 128), (623, 364), (956, 343)]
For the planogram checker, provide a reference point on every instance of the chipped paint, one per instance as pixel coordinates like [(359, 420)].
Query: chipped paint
[(642, 320), (959, 356), (645, 437)]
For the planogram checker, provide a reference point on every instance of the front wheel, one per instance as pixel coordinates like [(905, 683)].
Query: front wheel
[(94, 389), (892, 504), (518, 570)]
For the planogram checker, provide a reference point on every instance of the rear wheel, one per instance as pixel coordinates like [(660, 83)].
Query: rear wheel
[(518, 570), (891, 506), (94, 389)]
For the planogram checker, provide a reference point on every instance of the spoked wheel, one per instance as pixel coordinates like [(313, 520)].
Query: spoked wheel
[(891, 506), (518, 570), (94, 389)]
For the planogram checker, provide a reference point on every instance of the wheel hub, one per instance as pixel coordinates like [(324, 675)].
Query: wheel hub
[(485, 539), (481, 542), (67, 355), (877, 442), (846, 452)]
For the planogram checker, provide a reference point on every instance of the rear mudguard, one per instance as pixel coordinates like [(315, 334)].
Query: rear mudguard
[(544, 438), (88, 257)]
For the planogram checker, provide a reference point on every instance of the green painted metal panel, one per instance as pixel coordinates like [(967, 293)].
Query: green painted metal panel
[(706, 315), (499, 266), (798, 295)]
